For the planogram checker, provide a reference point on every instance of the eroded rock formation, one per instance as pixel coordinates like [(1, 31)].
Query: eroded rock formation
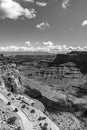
[(10, 78), (79, 58)]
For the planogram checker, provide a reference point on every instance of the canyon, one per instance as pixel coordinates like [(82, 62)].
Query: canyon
[(57, 84)]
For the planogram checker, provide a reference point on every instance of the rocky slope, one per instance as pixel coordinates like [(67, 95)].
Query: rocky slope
[(64, 109), (12, 96)]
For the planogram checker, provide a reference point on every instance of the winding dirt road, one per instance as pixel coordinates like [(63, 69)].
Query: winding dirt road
[(26, 123)]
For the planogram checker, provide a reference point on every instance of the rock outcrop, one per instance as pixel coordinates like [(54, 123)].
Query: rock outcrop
[(78, 58), (11, 79)]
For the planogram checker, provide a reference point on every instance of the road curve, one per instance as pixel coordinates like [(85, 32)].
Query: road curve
[(26, 123)]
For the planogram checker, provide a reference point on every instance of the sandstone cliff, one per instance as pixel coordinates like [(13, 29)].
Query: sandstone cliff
[(78, 58)]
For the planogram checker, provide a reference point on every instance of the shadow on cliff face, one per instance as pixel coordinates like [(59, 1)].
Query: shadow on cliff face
[(50, 105), (78, 58), (83, 68), (82, 91), (10, 85), (84, 114)]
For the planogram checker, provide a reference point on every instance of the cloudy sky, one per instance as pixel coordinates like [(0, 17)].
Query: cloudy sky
[(43, 24)]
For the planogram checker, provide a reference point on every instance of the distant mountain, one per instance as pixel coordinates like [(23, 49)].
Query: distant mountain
[(77, 52), (25, 53)]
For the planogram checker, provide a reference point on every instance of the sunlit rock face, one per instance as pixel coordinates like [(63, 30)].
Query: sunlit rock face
[(61, 70), (66, 69), (11, 78), (65, 74)]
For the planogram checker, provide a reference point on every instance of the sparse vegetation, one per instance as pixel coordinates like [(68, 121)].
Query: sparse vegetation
[(44, 127), (41, 118), (32, 111), (11, 120), (23, 106), (8, 94), (8, 103), (18, 128), (12, 98), (16, 110)]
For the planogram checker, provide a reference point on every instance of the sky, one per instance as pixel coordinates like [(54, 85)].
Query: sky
[(43, 25)]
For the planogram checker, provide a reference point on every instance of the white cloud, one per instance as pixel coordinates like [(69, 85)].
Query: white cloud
[(65, 3), (84, 23), (32, 1), (65, 48), (30, 13), (42, 4), (49, 43), (42, 26), (15, 48), (13, 10), (28, 43), (62, 48), (48, 47)]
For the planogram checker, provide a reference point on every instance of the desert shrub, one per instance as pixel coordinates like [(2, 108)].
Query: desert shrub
[(41, 118), (11, 120), (23, 106), (18, 128), (9, 94), (44, 127), (12, 98), (8, 103), (32, 111)]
